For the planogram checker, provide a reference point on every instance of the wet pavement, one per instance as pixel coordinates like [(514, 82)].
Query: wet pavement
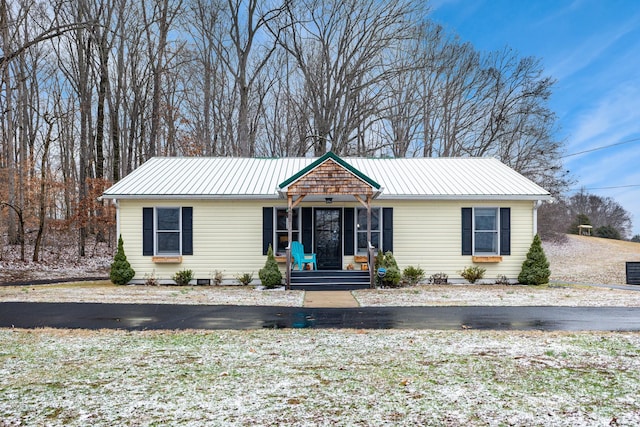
[(165, 316)]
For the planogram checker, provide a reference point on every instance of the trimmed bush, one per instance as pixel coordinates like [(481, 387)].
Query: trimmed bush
[(412, 275), (183, 277), (270, 275), (245, 278), (121, 271), (535, 269), (473, 274)]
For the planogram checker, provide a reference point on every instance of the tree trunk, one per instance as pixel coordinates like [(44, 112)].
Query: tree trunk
[(42, 197)]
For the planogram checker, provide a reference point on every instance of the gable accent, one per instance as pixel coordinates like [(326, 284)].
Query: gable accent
[(329, 174)]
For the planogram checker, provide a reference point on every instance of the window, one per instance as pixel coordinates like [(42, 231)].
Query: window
[(361, 227), (168, 231), (485, 231), (281, 232)]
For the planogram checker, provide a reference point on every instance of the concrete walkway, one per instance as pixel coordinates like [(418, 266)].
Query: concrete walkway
[(329, 299)]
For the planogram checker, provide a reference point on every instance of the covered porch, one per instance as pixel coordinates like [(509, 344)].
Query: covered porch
[(328, 227)]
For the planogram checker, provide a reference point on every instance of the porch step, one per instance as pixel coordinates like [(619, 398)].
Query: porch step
[(325, 280)]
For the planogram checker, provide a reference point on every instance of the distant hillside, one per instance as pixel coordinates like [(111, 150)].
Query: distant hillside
[(585, 259)]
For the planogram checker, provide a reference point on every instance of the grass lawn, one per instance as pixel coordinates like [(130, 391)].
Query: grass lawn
[(318, 377)]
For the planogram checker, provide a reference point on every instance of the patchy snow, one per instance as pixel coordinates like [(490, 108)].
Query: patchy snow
[(500, 295), (429, 295), (318, 377), (585, 259), (105, 292)]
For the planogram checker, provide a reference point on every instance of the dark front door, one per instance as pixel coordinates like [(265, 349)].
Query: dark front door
[(328, 238)]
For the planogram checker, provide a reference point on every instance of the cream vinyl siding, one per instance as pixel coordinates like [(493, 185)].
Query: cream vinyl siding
[(227, 236), (429, 234)]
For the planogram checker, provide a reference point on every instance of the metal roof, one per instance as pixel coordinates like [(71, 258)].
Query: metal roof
[(259, 178)]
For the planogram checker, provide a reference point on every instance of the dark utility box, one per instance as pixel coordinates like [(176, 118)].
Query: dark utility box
[(633, 273)]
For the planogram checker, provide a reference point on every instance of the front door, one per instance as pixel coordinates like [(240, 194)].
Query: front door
[(328, 238)]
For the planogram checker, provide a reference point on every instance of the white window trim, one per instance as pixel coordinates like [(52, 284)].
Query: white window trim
[(277, 230), (156, 231), (474, 231), (357, 230)]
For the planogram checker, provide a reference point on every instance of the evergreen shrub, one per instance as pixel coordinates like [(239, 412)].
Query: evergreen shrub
[(121, 272), (535, 268), (270, 275)]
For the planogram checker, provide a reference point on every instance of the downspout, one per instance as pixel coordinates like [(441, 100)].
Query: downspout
[(117, 205), (536, 205)]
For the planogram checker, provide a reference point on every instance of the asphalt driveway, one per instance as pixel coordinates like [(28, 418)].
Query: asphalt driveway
[(165, 316)]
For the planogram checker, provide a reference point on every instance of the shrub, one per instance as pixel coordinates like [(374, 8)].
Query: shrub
[(502, 280), (245, 278), (391, 278), (121, 272), (270, 275), (439, 278), (473, 274), (217, 278), (183, 277), (150, 280), (412, 275), (535, 268)]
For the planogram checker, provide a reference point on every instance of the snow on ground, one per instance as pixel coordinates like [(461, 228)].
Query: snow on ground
[(323, 377), (318, 377), (592, 260), (426, 295)]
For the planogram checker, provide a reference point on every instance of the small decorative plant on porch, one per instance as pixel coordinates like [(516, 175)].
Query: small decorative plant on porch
[(270, 275), (387, 272), (121, 271)]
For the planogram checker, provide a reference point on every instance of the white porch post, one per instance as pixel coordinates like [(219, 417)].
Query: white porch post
[(289, 239)]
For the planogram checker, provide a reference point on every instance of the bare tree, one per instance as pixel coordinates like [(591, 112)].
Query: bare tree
[(157, 25), (339, 48)]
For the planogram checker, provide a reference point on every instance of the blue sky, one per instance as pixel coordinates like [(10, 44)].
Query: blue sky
[(592, 49)]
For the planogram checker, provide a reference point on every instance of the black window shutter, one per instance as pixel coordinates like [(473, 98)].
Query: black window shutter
[(387, 229), (349, 221), (147, 231), (467, 231), (307, 229), (187, 231), (505, 231), (267, 229)]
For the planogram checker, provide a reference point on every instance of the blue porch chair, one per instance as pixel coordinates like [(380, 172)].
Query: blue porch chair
[(300, 258)]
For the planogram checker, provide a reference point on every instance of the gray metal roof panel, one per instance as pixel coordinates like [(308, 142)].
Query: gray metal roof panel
[(412, 178)]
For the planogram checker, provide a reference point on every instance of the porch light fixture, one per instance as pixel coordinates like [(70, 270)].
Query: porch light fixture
[(328, 200)]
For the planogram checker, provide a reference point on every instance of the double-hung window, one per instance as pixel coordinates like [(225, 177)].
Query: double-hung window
[(168, 231), (282, 233), (485, 231), (361, 228)]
